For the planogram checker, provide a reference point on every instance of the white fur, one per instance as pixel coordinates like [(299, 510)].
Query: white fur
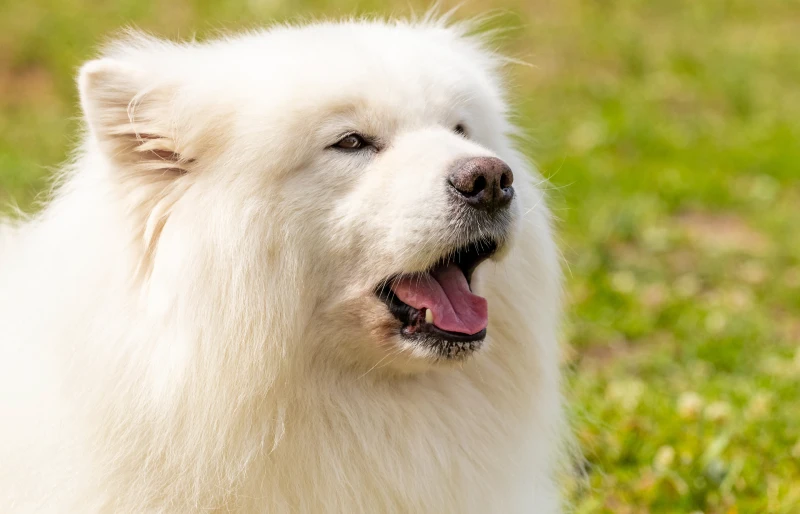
[(189, 326)]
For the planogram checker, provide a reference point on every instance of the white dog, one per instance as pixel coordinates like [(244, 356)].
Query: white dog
[(254, 292)]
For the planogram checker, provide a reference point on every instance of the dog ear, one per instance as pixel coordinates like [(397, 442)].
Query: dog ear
[(131, 115)]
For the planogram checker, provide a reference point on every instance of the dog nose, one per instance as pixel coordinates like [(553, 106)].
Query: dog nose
[(483, 182)]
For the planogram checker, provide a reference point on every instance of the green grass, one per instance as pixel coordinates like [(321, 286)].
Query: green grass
[(670, 131)]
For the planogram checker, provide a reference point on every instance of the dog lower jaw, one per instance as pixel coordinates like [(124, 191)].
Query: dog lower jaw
[(441, 349)]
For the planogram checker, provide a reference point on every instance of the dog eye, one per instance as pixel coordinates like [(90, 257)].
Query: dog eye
[(460, 130), (351, 142)]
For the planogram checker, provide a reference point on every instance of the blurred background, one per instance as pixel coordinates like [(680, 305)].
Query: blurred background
[(669, 131)]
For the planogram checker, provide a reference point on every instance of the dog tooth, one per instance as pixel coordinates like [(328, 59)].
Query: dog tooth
[(428, 316)]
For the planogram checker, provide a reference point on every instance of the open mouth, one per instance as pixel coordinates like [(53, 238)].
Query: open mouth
[(437, 307)]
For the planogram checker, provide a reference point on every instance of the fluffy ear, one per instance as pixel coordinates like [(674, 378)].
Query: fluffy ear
[(132, 116)]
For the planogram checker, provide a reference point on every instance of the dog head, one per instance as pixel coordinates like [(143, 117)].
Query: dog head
[(329, 190)]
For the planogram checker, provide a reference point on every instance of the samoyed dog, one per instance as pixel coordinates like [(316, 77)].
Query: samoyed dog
[(301, 270)]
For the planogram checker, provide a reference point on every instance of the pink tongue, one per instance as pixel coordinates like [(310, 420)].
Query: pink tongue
[(446, 293)]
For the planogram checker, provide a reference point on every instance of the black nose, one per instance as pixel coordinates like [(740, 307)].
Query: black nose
[(483, 182)]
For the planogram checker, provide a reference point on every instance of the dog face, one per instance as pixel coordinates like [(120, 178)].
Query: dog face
[(334, 188)]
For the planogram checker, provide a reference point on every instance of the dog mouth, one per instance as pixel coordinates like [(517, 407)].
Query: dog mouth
[(437, 307)]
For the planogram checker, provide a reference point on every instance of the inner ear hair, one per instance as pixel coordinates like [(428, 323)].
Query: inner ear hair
[(157, 148)]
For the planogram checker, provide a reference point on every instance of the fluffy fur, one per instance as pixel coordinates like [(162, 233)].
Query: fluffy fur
[(190, 324)]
